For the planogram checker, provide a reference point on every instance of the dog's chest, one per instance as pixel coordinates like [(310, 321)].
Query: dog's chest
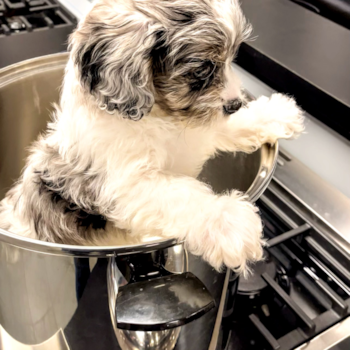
[(188, 151)]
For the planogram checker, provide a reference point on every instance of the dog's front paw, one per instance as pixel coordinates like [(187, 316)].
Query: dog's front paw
[(235, 235), (283, 119)]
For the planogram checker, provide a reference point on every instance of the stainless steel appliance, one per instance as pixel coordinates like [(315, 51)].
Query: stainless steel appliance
[(337, 11), (132, 296), (303, 54), (31, 28), (302, 289), (299, 298)]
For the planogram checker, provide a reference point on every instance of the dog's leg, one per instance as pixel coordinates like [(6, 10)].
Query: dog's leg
[(262, 121), (222, 229)]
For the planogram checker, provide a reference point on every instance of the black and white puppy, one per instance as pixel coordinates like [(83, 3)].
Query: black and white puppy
[(149, 95)]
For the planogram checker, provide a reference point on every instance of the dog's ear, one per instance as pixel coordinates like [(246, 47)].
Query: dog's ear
[(112, 52)]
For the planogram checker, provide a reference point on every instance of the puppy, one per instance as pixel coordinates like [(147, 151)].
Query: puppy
[(149, 95)]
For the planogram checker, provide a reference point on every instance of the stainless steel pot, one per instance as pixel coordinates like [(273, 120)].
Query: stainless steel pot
[(56, 296)]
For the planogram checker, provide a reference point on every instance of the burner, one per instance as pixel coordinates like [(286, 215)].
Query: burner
[(16, 24), (254, 283), (25, 16), (34, 28)]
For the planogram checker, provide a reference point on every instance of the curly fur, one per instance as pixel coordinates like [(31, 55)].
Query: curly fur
[(141, 111)]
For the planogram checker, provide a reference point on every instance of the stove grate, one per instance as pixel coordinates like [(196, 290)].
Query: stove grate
[(24, 16)]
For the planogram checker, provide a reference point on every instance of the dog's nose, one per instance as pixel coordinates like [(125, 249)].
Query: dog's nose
[(232, 106)]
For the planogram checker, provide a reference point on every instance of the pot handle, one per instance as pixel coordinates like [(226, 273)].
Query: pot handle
[(160, 303)]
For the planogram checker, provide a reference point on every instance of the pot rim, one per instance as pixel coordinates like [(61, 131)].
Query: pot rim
[(269, 154)]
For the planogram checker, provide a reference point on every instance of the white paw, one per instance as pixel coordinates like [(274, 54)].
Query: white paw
[(283, 119), (232, 235)]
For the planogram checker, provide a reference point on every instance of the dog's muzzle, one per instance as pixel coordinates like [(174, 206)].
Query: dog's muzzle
[(232, 106)]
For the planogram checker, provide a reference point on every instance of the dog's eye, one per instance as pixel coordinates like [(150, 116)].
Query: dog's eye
[(205, 71)]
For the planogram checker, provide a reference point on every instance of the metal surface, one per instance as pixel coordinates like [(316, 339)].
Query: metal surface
[(137, 340), (254, 283), (326, 203), (218, 322), (335, 338), (287, 235), (290, 55), (266, 334), (41, 294), (56, 342), (289, 301), (48, 287), (27, 91), (251, 173), (305, 195), (162, 340), (33, 28), (317, 146), (310, 294), (184, 299), (315, 187), (299, 44)]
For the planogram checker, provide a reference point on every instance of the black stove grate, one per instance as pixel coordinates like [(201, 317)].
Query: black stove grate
[(32, 28), (23, 16), (311, 295)]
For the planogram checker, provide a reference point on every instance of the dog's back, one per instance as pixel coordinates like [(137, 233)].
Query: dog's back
[(40, 206)]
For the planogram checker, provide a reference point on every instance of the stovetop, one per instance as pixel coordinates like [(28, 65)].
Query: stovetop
[(30, 28), (299, 291), (18, 16)]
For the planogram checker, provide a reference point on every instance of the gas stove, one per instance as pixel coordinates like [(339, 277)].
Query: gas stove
[(299, 296), (30, 28)]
